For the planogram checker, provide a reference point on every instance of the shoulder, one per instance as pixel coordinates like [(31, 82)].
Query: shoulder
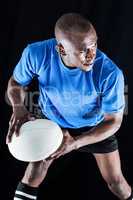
[(105, 70), (40, 53), (108, 67), (41, 47)]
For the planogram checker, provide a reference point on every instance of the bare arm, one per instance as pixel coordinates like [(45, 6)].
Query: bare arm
[(16, 94), (105, 129)]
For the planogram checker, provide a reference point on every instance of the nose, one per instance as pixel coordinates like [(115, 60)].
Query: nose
[(86, 59)]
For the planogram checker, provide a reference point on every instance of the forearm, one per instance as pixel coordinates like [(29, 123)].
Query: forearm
[(16, 94), (102, 131)]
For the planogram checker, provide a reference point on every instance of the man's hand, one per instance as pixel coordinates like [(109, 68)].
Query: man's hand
[(19, 116), (67, 145)]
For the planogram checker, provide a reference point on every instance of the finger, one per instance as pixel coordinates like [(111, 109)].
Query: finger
[(60, 151), (31, 117), (11, 120), (9, 135), (59, 155), (49, 159), (66, 133), (12, 129), (55, 154), (8, 140), (17, 127)]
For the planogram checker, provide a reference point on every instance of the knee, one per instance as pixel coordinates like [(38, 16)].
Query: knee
[(35, 173), (114, 180)]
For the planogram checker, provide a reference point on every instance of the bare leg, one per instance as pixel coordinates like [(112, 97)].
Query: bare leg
[(110, 168), (36, 172)]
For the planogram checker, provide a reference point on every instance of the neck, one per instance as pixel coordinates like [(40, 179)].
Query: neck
[(67, 63)]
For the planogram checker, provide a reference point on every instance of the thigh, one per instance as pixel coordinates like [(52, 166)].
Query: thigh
[(109, 164), (103, 147)]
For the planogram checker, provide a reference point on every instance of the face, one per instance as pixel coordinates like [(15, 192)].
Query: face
[(78, 51)]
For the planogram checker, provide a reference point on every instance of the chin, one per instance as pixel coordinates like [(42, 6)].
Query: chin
[(86, 68)]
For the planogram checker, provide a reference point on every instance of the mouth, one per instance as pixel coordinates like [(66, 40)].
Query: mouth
[(87, 63), (87, 66)]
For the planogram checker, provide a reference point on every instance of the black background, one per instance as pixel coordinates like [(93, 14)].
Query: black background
[(22, 22)]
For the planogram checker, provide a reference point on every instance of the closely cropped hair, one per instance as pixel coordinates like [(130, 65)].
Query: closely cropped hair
[(72, 23)]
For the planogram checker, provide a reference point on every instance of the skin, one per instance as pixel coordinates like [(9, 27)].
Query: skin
[(79, 51), (75, 51), (20, 114)]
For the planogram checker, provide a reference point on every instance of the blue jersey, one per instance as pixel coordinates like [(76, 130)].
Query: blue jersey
[(71, 97)]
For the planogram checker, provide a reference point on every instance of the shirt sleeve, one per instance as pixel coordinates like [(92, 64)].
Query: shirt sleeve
[(25, 69), (113, 93)]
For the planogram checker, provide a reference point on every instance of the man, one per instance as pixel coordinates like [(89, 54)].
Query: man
[(82, 90)]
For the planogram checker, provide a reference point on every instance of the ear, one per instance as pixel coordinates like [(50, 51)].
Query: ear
[(60, 49)]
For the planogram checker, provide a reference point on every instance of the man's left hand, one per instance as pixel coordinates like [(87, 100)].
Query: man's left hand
[(68, 144)]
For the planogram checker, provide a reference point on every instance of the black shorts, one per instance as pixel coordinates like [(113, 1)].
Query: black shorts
[(106, 146)]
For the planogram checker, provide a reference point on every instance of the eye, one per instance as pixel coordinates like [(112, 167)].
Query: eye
[(82, 52), (85, 50)]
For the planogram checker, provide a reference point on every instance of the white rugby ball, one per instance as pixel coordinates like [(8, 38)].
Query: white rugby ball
[(37, 140)]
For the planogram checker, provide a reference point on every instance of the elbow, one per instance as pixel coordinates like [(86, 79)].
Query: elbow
[(116, 124), (12, 84), (12, 88), (115, 120)]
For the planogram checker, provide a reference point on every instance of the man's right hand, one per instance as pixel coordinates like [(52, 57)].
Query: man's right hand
[(19, 116)]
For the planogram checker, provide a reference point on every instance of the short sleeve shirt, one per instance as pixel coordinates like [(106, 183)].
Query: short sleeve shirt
[(71, 97)]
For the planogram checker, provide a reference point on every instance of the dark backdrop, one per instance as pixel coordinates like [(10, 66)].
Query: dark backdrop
[(23, 22)]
